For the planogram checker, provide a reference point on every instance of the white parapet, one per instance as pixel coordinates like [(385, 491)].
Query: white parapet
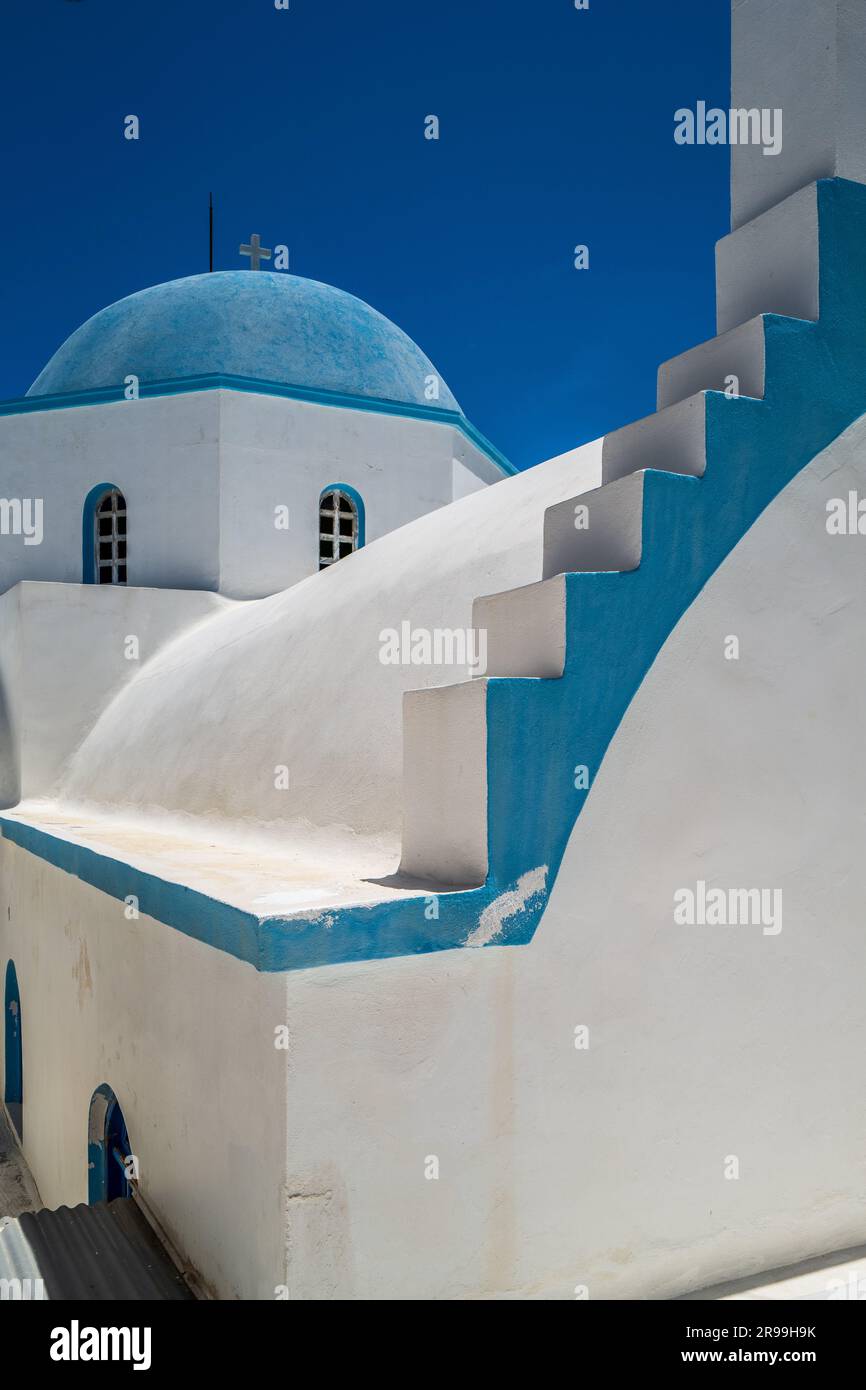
[(805, 59)]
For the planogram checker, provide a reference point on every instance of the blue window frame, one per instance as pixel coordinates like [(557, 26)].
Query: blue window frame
[(104, 536), (342, 523)]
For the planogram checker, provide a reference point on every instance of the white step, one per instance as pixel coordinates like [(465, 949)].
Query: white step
[(597, 533), (673, 441), (770, 265), (525, 629), (709, 366), (445, 784)]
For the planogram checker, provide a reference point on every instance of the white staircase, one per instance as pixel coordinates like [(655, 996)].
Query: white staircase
[(767, 267)]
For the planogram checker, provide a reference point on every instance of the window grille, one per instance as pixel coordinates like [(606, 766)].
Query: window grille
[(110, 539), (338, 526)]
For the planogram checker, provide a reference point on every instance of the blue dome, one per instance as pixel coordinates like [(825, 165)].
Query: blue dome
[(261, 324)]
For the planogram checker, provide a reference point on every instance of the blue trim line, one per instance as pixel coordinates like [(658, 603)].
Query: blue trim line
[(180, 386), (268, 943), (538, 731)]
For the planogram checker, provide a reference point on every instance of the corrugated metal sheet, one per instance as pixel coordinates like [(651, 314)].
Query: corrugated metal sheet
[(102, 1252)]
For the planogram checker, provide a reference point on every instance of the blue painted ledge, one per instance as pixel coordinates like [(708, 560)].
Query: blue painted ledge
[(268, 943), (540, 730), (179, 386)]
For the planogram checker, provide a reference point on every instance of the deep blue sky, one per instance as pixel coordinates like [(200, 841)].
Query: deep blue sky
[(556, 128)]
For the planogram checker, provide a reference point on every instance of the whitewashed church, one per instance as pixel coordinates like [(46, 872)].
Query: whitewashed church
[(429, 977)]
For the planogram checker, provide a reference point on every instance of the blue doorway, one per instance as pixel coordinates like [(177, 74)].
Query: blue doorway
[(109, 1153), (13, 1092)]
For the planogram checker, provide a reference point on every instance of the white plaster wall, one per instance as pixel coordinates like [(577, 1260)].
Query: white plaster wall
[(73, 638), (276, 452), (184, 1035), (472, 468), (806, 57), (558, 1167), (273, 683), (463, 481), (605, 1167), (202, 474), (163, 455), (10, 712)]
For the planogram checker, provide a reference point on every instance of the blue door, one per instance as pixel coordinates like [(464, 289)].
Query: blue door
[(108, 1149), (117, 1151), (14, 1088)]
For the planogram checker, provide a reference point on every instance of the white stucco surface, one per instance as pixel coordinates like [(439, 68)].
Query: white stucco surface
[(606, 1167), (87, 639), (710, 366), (184, 1036), (625, 1107), (163, 454), (203, 474), (558, 1167), (769, 266), (205, 724), (805, 58), (275, 452)]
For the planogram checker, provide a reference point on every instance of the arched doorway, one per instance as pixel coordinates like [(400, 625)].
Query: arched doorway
[(108, 1149), (14, 1087)]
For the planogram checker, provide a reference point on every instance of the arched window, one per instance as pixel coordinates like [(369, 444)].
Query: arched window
[(341, 523), (14, 1088), (108, 1149), (105, 525)]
